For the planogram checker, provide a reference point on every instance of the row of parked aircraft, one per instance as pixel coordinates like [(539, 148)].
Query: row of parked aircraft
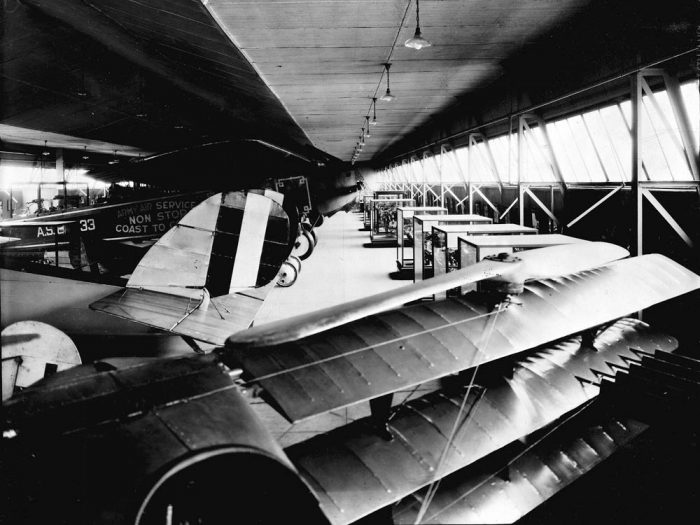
[(174, 440)]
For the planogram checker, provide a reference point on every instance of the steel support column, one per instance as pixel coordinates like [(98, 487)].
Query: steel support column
[(636, 132), (61, 174), (521, 169)]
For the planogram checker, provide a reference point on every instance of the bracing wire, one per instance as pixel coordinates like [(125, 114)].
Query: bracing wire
[(517, 457), (365, 348), (433, 487)]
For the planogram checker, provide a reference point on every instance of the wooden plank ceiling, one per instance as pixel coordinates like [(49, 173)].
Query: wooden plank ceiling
[(164, 74), (324, 58), (158, 75)]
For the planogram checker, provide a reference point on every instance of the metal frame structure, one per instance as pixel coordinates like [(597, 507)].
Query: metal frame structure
[(640, 183)]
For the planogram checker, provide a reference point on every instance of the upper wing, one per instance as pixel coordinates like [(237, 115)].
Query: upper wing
[(533, 264), (398, 349), (209, 275)]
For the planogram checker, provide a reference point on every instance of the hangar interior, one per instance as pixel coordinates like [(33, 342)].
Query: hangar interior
[(375, 261)]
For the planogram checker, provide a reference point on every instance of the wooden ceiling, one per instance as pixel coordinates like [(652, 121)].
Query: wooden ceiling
[(163, 74), (324, 58), (156, 75)]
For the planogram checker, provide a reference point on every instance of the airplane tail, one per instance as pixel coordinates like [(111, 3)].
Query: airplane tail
[(209, 275), (32, 350)]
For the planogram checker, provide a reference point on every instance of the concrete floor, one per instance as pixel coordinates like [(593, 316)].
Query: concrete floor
[(340, 269)]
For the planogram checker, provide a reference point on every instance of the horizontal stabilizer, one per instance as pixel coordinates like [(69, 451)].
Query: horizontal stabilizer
[(355, 471), (184, 316), (533, 264), (402, 348)]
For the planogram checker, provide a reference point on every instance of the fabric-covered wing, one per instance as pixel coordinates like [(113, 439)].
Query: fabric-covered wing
[(183, 316), (354, 471), (530, 480), (542, 263), (395, 350)]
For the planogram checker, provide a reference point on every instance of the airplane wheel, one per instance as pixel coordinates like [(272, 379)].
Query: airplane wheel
[(296, 262), (304, 245), (287, 275), (306, 226)]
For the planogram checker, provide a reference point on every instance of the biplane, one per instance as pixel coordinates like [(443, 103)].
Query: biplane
[(175, 441), (201, 251), (113, 236)]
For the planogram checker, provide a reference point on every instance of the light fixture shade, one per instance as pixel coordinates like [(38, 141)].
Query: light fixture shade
[(417, 41), (373, 122), (388, 97)]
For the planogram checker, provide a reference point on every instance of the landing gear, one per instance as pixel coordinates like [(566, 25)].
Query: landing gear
[(287, 275), (304, 245), (296, 262), (306, 225)]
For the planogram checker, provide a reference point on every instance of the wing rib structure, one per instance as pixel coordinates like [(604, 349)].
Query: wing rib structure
[(354, 471), (534, 264), (404, 347)]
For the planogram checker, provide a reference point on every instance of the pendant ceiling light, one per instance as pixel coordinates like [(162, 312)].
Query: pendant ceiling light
[(85, 155), (367, 126), (388, 97), (374, 104), (46, 151), (417, 42)]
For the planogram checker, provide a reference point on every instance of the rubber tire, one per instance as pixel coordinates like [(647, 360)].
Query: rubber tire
[(295, 261), (287, 275), (306, 226), (304, 253)]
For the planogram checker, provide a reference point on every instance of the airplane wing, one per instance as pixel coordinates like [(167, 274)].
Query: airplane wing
[(354, 471), (528, 481), (401, 348), (209, 275), (533, 264)]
